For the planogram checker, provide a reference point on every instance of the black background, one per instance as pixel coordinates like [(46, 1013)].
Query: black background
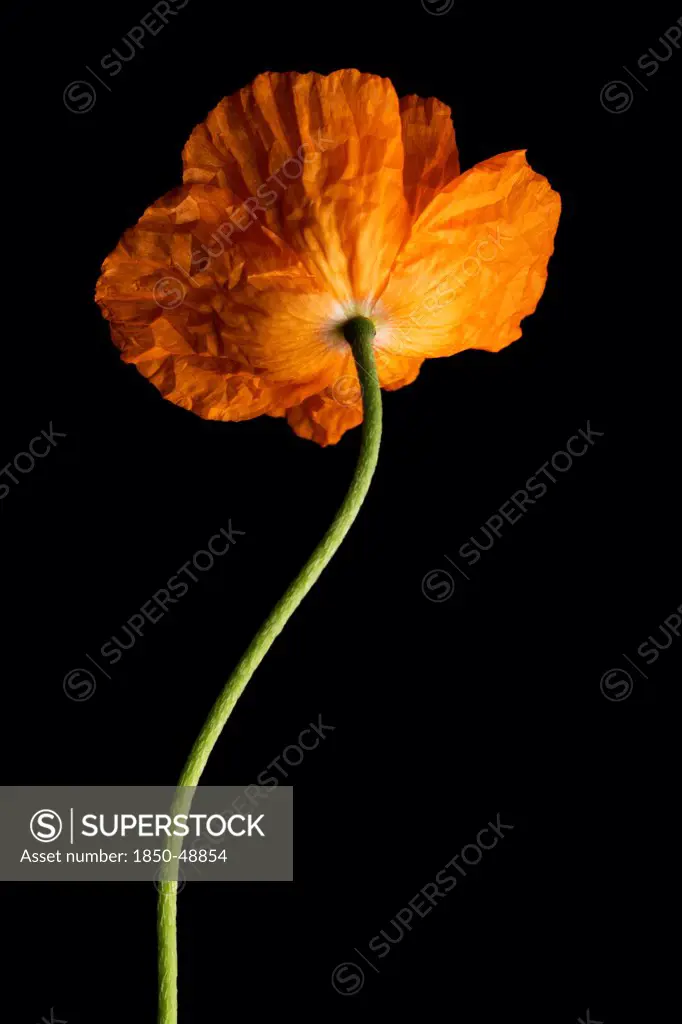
[(445, 714)]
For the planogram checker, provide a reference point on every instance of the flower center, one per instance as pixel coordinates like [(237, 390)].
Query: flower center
[(357, 329)]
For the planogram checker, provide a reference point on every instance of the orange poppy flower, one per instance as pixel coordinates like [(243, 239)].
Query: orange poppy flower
[(308, 200)]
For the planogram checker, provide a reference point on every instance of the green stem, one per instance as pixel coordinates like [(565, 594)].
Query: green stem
[(360, 334)]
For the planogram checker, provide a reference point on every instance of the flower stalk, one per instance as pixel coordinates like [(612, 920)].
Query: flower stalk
[(359, 332)]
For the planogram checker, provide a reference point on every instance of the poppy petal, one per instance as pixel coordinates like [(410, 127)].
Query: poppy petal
[(475, 263), (319, 160), (189, 330), (326, 417), (431, 158)]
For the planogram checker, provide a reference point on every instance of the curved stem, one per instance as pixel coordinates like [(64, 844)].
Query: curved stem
[(360, 333)]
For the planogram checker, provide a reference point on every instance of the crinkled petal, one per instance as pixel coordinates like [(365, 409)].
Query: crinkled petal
[(319, 159), (326, 417), (228, 336), (475, 263), (431, 157)]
